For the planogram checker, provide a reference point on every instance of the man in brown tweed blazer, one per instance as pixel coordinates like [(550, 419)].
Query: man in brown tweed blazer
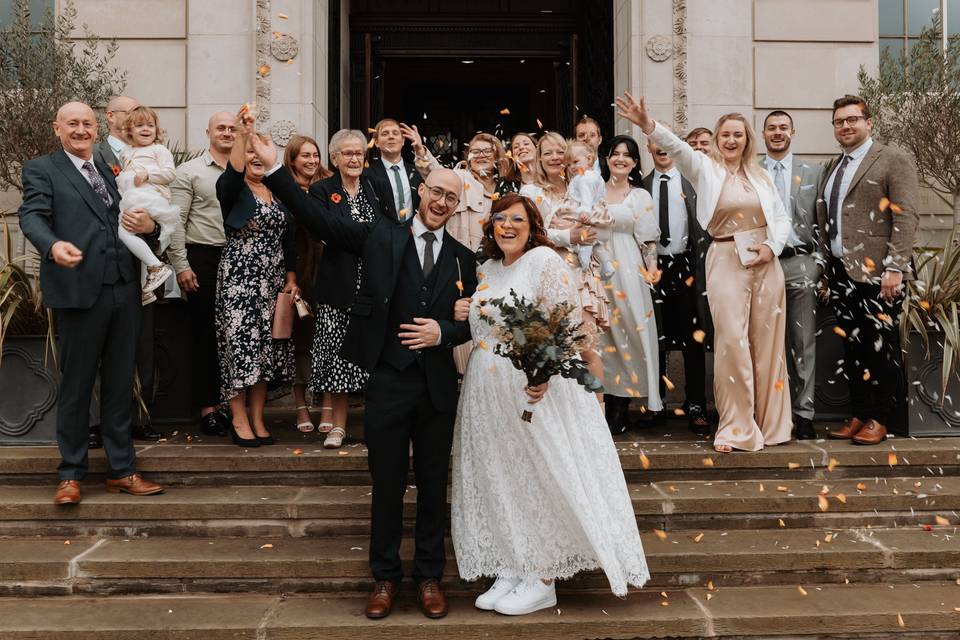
[(867, 219)]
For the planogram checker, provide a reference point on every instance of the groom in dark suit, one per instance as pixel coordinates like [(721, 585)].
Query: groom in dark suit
[(402, 331), (70, 213)]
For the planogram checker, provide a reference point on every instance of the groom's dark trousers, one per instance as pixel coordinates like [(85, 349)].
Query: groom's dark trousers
[(411, 396)]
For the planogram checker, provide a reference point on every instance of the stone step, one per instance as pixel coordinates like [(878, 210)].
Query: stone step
[(326, 510), (925, 610), (30, 566), (300, 460)]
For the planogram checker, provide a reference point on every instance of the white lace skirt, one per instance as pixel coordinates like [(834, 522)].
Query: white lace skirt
[(546, 498), (145, 196)]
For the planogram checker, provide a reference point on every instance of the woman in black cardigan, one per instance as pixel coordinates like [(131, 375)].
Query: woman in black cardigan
[(350, 194), (258, 263)]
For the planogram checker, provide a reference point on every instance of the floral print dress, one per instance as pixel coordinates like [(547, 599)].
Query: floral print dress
[(331, 373), (252, 272)]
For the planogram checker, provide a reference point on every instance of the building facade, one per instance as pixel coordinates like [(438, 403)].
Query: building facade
[(457, 66)]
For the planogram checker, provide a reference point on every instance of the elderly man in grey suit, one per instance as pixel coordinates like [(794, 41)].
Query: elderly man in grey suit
[(796, 182), (70, 213)]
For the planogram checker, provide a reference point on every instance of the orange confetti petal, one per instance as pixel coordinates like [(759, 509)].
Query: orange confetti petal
[(264, 70), (943, 522), (840, 332), (660, 534), (822, 502), (666, 381), (707, 462), (282, 16), (266, 546), (460, 286), (697, 538), (778, 385), (539, 124), (892, 459), (689, 281), (482, 345), (802, 591), (793, 465), (832, 464), (699, 335), (841, 498), (783, 525), (709, 585), (866, 374), (297, 452), (782, 488), (925, 305), (900, 622), (895, 208), (644, 461), (483, 286), (884, 203), (504, 111), (861, 486)]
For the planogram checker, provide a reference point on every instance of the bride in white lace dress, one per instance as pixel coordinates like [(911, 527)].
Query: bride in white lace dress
[(533, 502)]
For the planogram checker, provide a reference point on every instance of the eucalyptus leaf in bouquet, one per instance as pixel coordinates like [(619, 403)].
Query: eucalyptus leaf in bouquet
[(541, 341)]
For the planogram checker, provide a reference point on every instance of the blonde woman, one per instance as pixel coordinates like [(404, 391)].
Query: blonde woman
[(737, 203), (549, 193)]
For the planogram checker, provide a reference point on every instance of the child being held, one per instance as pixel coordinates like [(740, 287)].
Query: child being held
[(147, 168), (585, 187)]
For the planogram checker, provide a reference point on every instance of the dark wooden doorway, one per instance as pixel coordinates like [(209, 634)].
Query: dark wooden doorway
[(455, 67)]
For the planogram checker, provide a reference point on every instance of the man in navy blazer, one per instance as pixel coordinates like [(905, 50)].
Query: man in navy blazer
[(402, 331), (390, 167), (70, 213)]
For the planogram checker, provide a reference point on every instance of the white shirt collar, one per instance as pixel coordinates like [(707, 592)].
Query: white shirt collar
[(786, 161), (860, 151), (116, 144), (387, 164), (419, 228), (672, 173), (78, 161)]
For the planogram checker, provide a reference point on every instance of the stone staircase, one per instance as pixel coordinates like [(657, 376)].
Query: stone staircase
[(814, 539)]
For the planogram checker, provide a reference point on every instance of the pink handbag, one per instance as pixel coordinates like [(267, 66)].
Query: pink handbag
[(283, 317)]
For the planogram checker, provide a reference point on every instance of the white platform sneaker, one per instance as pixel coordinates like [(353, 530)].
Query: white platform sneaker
[(500, 588), (528, 596)]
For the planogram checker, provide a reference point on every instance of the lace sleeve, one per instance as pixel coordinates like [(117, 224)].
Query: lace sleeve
[(553, 281)]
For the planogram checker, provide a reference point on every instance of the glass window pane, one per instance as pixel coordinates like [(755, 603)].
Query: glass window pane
[(892, 45), (891, 17), (953, 17), (920, 14), (38, 10)]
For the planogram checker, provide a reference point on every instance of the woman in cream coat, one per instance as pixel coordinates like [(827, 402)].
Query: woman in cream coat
[(747, 296)]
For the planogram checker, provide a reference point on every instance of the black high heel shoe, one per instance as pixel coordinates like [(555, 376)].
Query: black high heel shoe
[(267, 441), (243, 442)]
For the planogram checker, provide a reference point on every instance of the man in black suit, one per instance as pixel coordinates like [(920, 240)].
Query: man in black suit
[(402, 331), (390, 167), (70, 213), (680, 300)]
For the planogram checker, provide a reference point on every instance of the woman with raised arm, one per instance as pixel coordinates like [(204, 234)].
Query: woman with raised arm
[(739, 207)]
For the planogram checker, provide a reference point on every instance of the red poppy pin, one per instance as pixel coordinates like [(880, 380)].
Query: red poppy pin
[(116, 170), (335, 198)]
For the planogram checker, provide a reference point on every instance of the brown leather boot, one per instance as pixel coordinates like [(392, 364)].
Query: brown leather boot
[(380, 601), (68, 492), (133, 484), (430, 595), (848, 430), (872, 433)]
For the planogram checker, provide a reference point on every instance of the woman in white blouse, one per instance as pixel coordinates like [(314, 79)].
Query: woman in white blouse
[(739, 207)]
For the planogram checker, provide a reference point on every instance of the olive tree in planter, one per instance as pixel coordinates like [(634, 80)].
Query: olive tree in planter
[(41, 68), (916, 104)]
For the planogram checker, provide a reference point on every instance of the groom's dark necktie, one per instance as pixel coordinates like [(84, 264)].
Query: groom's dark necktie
[(428, 238), (834, 202), (664, 210)]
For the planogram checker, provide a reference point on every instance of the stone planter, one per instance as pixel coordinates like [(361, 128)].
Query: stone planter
[(927, 415), (28, 403)]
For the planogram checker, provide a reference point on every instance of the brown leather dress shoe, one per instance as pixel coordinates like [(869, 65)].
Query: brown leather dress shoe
[(380, 601), (432, 603), (872, 433), (848, 430), (133, 484), (68, 492)]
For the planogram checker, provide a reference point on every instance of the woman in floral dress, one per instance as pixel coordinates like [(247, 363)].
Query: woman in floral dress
[(258, 263)]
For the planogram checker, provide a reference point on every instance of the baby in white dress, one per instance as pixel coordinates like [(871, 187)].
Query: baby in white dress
[(587, 189), (147, 167)]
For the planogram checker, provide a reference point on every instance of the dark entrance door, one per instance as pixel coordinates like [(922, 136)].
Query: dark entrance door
[(455, 67)]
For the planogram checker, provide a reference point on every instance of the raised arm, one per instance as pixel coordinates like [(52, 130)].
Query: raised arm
[(690, 163)]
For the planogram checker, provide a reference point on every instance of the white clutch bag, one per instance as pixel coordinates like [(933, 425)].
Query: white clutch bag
[(749, 238)]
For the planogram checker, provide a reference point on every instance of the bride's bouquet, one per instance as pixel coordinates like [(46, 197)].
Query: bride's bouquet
[(540, 341)]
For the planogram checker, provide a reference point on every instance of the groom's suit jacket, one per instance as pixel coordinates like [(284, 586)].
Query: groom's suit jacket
[(382, 245)]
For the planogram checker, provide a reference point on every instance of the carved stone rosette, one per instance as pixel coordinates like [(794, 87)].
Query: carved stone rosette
[(282, 131), (680, 120), (284, 47), (659, 48), (261, 72)]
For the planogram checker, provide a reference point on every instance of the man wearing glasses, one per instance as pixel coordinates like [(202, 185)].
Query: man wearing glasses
[(402, 331), (867, 218)]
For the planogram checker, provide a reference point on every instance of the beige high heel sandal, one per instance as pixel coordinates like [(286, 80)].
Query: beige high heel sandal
[(305, 427), (325, 426), (334, 439)]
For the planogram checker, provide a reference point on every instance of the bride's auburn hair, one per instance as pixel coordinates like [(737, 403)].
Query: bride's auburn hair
[(538, 233)]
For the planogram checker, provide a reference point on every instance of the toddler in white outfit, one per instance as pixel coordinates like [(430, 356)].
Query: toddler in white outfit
[(147, 168), (586, 188)]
